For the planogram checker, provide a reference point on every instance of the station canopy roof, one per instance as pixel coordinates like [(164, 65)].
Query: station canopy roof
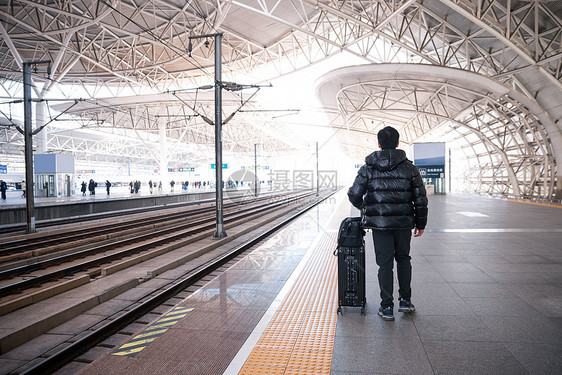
[(132, 61)]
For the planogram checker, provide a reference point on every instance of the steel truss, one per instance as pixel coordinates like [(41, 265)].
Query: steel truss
[(94, 41), (507, 148), (512, 154), (137, 137), (107, 48)]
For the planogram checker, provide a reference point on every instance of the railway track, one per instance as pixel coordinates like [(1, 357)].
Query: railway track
[(19, 245), (156, 298), (20, 228), (120, 249)]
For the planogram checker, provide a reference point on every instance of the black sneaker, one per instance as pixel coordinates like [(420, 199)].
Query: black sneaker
[(406, 306), (387, 313)]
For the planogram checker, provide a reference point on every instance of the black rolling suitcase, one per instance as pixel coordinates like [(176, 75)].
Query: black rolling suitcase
[(351, 264)]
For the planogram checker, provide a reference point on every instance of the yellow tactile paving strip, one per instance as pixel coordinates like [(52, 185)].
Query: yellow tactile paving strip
[(535, 203), (300, 337)]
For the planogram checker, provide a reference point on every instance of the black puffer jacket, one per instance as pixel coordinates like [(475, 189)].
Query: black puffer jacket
[(390, 192)]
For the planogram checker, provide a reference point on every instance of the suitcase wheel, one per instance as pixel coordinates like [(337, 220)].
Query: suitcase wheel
[(339, 310), (363, 311)]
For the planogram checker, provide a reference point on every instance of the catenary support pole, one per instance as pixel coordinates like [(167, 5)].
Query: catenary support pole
[(29, 198), (255, 170), (220, 233)]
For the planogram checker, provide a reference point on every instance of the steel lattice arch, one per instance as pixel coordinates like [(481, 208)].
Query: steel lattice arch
[(504, 145)]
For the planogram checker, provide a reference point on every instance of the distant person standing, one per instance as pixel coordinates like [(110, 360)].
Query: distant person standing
[(172, 183), (3, 188), (160, 186), (107, 186), (23, 188), (92, 187), (150, 186), (83, 189)]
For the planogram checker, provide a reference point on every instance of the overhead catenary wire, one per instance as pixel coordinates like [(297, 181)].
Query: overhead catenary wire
[(226, 85), (180, 53), (192, 61)]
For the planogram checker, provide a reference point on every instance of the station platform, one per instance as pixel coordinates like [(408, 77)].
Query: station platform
[(487, 285), (13, 209), (15, 197)]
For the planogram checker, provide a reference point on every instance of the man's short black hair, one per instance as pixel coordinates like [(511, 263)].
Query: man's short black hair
[(388, 138)]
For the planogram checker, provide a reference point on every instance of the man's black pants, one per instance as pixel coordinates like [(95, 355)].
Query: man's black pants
[(390, 245)]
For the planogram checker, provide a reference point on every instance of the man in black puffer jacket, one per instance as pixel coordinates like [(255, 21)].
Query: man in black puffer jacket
[(390, 193)]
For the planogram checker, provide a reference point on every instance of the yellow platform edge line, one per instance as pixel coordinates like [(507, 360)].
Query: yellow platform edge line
[(138, 342), (150, 333), (157, 329), (128, 352), (156, 326), (173, 317)]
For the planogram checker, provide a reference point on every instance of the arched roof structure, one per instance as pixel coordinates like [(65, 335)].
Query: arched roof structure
[(114, 48), (506, 132)]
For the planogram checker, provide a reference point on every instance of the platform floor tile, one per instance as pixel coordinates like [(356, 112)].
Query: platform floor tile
[(487, 290)]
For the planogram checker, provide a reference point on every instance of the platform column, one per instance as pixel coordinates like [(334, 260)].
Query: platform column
[(317, 175), (30, 206), (256, 181), (163, 152), (558, 189)]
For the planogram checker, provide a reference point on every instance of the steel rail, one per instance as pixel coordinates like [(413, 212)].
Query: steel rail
[(178, 232), (68, 353), (105, 215), (87, 252), (24, 244), (27, 244)]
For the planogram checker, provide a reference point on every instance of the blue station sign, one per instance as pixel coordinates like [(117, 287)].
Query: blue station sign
[(431, 171)]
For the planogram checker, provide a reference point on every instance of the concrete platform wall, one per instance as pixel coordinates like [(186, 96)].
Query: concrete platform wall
[(16, 214)]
